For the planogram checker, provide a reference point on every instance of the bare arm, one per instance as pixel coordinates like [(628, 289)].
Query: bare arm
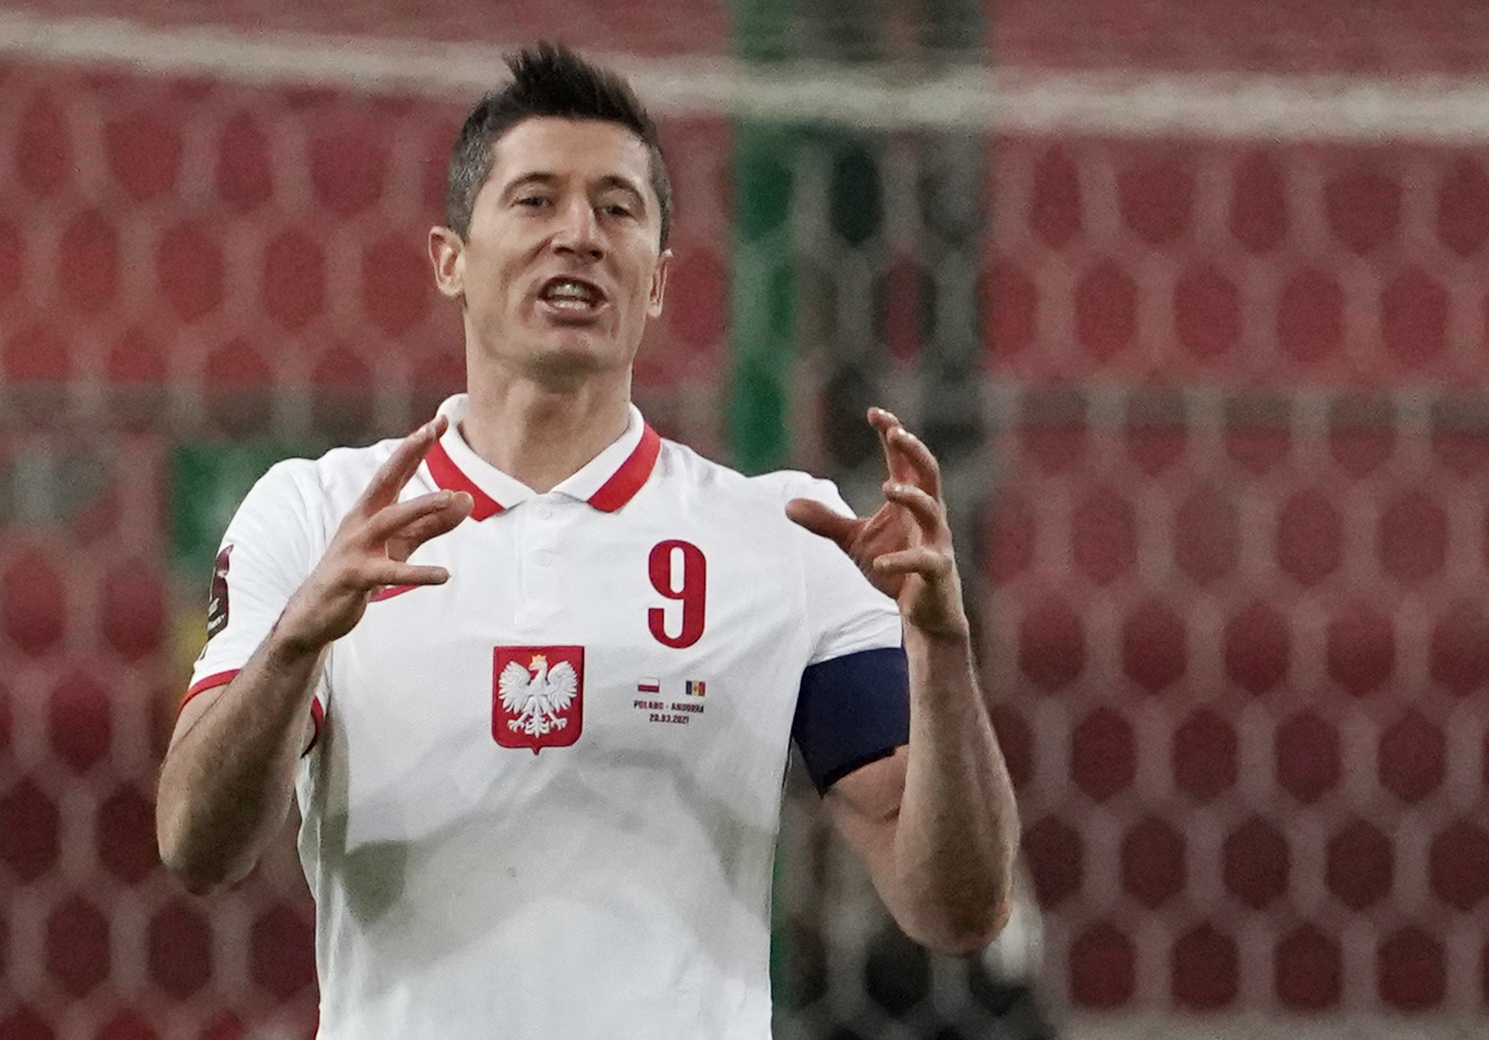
[(228, 776), (936, 823)]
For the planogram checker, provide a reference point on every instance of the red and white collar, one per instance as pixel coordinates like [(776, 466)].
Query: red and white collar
[(607, 482)]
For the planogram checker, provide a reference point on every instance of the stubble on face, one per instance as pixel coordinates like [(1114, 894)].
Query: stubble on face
[(566, 217)]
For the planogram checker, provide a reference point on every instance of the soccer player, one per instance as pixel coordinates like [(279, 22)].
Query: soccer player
[(533, 672)]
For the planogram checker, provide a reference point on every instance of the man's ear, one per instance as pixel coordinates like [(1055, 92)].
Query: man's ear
[(447, 253), (658, 284)]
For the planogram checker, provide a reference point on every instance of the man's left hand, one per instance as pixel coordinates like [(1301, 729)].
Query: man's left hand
[(904, 549)]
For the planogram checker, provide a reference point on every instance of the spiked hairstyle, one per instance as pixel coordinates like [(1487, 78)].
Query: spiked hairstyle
[(547, 80)]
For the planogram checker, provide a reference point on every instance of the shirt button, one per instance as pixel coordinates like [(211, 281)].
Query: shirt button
[(545, 511), (543, 557)]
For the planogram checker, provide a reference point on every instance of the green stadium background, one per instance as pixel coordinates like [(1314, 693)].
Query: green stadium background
[(1190, 298)]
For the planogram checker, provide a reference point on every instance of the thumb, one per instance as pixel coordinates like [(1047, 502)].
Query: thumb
[(822, 520)]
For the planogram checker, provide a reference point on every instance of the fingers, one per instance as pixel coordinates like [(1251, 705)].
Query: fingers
[(373, 572), (883, 423), (396, 572), (433, 525), (393, 521), (924, 465), (906, 455), (925, 509), (823, 521), (920, 559), (399, 467)]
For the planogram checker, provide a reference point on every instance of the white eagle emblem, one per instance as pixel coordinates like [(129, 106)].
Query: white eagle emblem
[(535, 700)]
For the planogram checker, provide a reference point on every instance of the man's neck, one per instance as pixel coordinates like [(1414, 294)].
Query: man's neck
[(540, 435)]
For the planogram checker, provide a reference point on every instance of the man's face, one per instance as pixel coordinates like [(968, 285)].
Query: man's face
[(561, 267)]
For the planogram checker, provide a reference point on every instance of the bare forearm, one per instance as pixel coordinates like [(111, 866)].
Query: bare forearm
[(227, 782), (936, 822), (958, 824)]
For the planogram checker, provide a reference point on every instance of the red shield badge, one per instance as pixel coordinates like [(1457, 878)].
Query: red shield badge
[(537, 697)]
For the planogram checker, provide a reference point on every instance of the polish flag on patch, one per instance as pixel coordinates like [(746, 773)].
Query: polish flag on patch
[(648, 685)]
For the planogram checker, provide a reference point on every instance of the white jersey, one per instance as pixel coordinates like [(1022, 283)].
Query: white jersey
[(544, 798)]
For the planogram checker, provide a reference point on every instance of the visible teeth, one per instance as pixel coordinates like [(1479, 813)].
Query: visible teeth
[(568, 291)]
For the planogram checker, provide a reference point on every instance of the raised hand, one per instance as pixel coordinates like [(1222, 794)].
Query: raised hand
[(904, 549), (371, 548)]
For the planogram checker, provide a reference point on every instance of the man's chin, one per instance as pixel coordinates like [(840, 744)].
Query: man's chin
[(558, 355), (575, 360)]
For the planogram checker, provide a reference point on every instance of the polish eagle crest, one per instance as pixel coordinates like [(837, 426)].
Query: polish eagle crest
[(536, 696)]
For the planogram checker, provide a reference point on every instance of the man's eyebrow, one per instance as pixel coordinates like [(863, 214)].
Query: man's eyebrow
[(615, 180), (607, 182), (537, 177), (543, 178)]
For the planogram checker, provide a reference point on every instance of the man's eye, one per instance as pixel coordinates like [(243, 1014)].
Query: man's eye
[(532, 201), (617, 209)]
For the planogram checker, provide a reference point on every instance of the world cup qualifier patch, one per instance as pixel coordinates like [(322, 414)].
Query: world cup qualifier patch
[(538, 700), (217, 597)]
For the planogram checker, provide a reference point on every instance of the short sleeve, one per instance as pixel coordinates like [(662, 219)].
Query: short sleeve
[(853, 706), (269, 547), (846, 613)]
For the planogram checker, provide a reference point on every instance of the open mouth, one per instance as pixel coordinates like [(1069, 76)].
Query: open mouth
[(572, 294)]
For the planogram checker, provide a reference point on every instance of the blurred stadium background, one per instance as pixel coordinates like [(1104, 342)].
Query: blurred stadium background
[(1189, 296)]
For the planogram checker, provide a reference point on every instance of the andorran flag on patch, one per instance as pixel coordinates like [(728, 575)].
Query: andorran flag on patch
[(694, 687)]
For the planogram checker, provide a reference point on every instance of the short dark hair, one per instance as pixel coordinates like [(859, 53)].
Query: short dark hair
[(547, 80)]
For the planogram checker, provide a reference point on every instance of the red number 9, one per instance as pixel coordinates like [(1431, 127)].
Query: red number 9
[(689, 592)]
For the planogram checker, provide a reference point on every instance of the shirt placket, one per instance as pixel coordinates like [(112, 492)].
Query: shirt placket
[(540, 560)]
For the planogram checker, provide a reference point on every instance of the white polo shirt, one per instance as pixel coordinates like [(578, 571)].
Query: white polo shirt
[(544, 799)]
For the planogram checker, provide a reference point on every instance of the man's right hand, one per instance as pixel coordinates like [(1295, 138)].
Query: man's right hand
[(372, 546)]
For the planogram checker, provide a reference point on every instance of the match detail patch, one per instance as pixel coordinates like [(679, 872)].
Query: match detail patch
[(217, 608)]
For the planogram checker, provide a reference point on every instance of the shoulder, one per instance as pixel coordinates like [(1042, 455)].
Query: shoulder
[(767, 490), (286, 484), (343, 473), (319, 486)]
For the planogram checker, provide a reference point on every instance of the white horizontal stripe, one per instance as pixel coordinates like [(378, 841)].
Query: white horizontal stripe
[(1008, 99)]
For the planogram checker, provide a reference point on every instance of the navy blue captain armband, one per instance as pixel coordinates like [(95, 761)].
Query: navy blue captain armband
[(852, 710)]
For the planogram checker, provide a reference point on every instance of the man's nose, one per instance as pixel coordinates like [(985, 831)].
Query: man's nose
[(578, 230)]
